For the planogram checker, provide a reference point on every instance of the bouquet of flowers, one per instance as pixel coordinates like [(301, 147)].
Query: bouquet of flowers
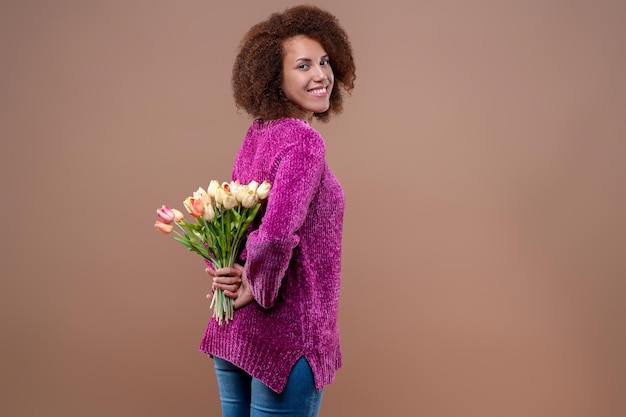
[(223, 214)]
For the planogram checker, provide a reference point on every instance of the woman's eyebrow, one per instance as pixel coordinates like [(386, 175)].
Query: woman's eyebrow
[(305, 59)]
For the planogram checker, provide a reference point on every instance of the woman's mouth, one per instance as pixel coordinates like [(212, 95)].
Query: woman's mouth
[(322, 91)]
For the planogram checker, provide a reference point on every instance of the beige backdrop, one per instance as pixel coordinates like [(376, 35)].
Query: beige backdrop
[(482, 155)]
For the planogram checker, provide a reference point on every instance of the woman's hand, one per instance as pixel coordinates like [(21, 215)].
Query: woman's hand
[(226, 279), (234, 284)]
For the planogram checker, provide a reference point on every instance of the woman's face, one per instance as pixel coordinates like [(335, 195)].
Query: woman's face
[(307, 75)]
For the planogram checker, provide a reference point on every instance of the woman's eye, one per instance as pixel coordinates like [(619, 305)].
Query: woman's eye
[(303, 66), (324, 62)]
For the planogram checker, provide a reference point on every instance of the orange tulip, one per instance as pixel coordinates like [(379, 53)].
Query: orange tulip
[(194, 206), (165, 228)]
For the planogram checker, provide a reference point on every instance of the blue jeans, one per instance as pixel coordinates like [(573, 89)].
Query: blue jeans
[(244, 396)]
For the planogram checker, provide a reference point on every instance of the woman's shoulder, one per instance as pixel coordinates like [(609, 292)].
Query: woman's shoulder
[(295, 132), (284, 136), (285, 127)]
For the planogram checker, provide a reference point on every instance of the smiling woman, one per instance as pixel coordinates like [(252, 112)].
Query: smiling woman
[(307, 75), (260, 66), (282, 346)]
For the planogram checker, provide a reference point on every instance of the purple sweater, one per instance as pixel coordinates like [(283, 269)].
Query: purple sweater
[(293, 260)]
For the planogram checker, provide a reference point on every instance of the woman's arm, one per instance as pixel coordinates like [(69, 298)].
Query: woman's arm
[(269, 248)]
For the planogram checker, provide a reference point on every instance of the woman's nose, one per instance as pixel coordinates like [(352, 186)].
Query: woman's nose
[(320, 74)]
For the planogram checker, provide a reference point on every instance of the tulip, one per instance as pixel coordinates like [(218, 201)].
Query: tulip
[(178, 216), (188, 203), (165, 214), (198, 208), (209, 212), (201, 195), (264, 190), (229, 201), (234, 186), (249, 199), (165, 228), (213, 186), (226, 186), (195, 207), (253, 185), (241, 192), (219, 196)]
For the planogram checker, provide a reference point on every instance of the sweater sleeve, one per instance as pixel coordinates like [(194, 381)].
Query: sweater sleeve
[(269, 248)]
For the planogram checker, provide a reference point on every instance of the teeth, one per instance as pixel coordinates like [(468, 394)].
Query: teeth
[(319, 91)]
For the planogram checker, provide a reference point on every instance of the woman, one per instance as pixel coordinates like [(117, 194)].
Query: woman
[(282, 347)]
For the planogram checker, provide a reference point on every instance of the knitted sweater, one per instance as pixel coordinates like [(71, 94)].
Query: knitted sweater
[(293, 260)]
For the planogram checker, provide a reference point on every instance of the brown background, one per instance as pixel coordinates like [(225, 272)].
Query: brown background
[(483, 159)]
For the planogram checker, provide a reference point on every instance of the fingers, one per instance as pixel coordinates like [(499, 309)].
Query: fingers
[(231, 294), (229, 280), (228, 271), (230, 286), (226, 287)]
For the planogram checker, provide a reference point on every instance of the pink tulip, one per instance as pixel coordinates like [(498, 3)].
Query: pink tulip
[(165, 214), (165, 228)]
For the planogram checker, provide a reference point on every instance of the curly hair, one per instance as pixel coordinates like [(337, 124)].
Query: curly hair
[(257, 72)]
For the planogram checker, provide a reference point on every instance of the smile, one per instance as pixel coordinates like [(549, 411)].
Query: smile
[(319, 91)]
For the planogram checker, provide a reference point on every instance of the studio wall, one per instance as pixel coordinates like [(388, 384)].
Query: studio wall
[(483, 159)]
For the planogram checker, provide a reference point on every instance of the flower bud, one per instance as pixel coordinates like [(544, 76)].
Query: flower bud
[(213, 186), (178, 216), (165, 228), (165, 214), (249, 199), (201, 195), (264, 190), (253, 185), (241, 192), (229, 201), (209, 212), (188, 203), (195, 207), (234, 186), (219, 196)]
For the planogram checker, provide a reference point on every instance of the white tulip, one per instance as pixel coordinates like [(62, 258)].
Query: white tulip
[(264, 190)]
